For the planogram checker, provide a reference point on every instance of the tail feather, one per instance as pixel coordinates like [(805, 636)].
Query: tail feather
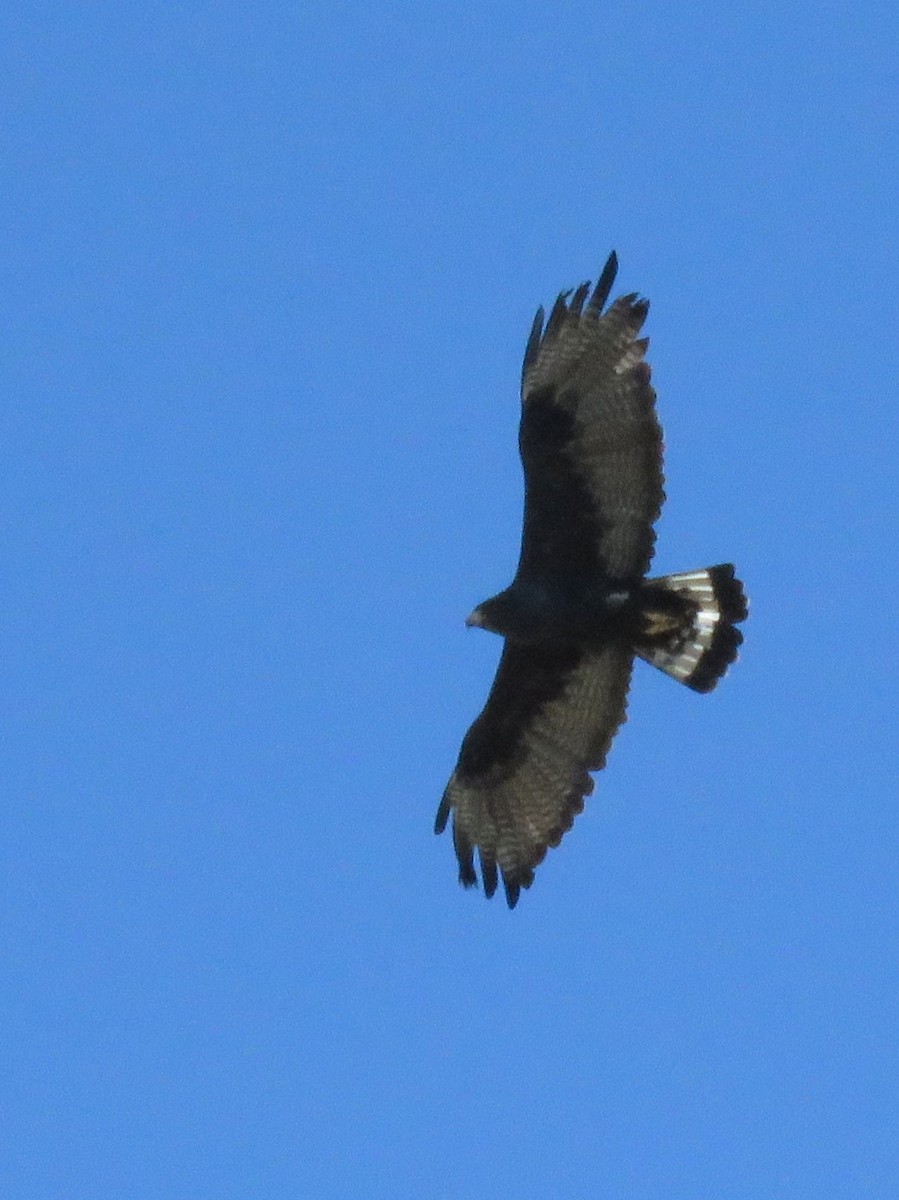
[(688, 624)]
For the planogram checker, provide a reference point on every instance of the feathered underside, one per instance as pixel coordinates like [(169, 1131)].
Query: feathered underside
[(591, 447)]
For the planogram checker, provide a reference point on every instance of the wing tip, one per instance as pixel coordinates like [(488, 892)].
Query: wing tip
[(570, 305), (515, 882), (489, 873), (535, 337), (443, 811), (518, 875), (604, 284)]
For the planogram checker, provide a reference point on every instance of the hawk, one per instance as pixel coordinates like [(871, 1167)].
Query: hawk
[(580, 606)]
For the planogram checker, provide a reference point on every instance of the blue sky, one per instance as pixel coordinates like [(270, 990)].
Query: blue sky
[(267, 276)]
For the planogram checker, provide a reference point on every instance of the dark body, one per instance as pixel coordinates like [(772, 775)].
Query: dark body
[(579, 608)]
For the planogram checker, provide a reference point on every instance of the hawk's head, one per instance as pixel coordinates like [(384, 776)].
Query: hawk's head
[(500, 614)]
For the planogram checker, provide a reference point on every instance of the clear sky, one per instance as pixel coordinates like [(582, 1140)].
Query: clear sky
[(268, 272)]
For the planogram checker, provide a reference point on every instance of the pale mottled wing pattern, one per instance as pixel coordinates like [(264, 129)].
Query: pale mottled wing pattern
[(590, 441), (523, 769)]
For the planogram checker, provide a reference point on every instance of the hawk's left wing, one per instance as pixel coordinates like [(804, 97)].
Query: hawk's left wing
[(590, 441), (523, 769)]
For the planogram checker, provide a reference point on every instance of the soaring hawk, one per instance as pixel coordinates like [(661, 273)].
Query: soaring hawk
[(580, 606)]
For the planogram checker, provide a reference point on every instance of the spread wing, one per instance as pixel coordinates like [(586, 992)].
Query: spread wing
[(522, 773), (590, 441)]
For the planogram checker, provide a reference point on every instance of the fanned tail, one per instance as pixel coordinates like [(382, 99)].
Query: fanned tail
[(688, 624)]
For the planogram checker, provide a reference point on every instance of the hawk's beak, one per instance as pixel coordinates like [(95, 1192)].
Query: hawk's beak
[(475, 620)]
